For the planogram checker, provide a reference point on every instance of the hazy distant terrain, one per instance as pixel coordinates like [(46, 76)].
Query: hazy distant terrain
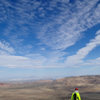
[(60, 89)]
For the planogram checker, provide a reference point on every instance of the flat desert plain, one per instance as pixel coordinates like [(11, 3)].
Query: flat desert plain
[(60, 89)]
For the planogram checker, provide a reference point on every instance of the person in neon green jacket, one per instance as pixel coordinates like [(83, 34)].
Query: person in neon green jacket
[(76, 95)]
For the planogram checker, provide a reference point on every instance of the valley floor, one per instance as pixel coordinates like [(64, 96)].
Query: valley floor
[(61, 89)]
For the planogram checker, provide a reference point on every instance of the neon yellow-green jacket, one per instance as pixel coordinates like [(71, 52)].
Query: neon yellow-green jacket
[(77, 96)]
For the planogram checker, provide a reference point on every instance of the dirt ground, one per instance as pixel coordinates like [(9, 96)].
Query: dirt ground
[(61, 89)]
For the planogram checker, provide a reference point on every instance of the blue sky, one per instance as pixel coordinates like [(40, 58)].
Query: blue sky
[(49, 38)]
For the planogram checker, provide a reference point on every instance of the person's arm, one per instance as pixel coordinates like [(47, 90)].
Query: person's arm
[(79, 97), (72, 97)]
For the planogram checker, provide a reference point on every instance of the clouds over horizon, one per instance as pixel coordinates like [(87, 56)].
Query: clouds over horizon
[(39, 33), (78, 58), (39, 61)]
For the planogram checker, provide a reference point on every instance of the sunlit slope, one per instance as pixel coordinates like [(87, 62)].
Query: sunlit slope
[(60, 89)]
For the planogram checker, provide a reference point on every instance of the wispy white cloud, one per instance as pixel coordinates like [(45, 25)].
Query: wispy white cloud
[(54, 59), (66, 28), (12, 61), (19, 17), (62, 22), (32, 60), (77, 59), (93, 63), (60, 27), (6, 48)]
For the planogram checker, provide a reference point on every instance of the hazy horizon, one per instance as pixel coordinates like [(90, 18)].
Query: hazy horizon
[(52, 74)]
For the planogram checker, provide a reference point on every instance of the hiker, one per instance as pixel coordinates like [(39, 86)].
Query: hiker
[(76, 95)]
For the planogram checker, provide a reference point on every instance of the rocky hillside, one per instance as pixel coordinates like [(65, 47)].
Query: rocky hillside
[(60, 89)]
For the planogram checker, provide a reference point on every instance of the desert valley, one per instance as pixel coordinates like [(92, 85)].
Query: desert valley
[(60, 89)]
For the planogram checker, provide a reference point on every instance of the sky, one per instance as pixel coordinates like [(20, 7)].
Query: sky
[(41, 39)]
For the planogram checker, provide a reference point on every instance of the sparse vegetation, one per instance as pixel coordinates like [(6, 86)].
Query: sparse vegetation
[(61, 89)]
